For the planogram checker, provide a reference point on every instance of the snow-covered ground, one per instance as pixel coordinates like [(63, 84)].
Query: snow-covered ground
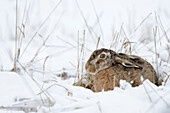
[(61, 25)]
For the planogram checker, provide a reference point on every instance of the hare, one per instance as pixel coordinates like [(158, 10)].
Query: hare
[(108, 68)]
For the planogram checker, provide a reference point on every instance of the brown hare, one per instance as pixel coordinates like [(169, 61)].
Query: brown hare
[(108, 68)]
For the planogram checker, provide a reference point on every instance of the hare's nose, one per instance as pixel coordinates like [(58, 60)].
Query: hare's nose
[(92, 69)]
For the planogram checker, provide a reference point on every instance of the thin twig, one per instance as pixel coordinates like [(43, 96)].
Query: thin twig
[(16, 48)]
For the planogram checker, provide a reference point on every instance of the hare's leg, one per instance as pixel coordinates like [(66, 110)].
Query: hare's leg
[(136, 81), (99, 81), (112, 80)]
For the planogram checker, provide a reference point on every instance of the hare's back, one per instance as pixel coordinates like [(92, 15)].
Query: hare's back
[(147, 71)]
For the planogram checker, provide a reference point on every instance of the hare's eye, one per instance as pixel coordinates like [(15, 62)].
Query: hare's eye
[(102, 56)]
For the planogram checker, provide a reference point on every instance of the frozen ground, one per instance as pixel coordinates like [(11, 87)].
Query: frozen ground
[(36, 86)]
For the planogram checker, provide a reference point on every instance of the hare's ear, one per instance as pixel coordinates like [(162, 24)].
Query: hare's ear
[(129, 65), (126, 63)]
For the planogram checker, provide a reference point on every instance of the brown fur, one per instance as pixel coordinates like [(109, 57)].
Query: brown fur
[(119, 66)]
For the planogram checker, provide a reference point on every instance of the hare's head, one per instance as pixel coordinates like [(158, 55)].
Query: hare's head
[(99, 60), (105, 58)]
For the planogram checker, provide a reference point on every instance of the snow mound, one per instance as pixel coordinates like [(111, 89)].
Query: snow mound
[(147, 98)]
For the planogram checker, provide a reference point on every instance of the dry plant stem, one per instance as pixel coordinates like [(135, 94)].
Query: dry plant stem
[(156, 18), (25, 109), (163, 74), (156, 101), (156, 57), (57, 53), (97, 19), (165, 70), (36, 54), (116, 41), (82, 51), (73, 65), (99, 105), (114, 37), (51, 72), (81, 12), (66, 41), (91, 29), (22, 28), (52, 86), (160, 37), (39, 86), (23, 25), (140, 25), (147, 93), (162, 28), (164, 33), (125, 33), (159, 95), (97, 42), (44, 68), (143, 21), (95, 34), (40, 28), (15, 58), (44, 64), (71, 44), (136, 46), (167, 80), (118, 37), (78, 64), (55, 46), (128, 41), (65, 50)]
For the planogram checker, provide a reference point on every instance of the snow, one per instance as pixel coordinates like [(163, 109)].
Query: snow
[(127, 99), (120, 100), (38, 87)]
